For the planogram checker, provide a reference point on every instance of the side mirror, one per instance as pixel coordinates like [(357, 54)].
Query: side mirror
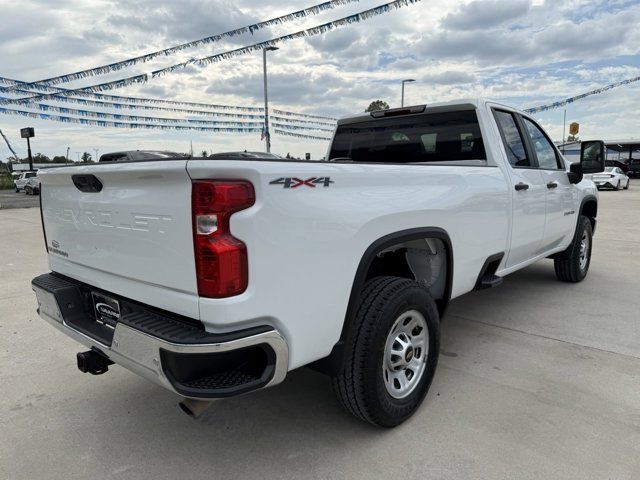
[(575, 173), (592, 156)]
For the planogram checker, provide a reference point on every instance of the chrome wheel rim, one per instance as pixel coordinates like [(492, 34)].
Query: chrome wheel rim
[(405, 354), (584, 251)]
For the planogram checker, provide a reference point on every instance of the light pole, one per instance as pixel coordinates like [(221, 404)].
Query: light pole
[(67, 157), (96, 157), (403, 82), (267, 135)]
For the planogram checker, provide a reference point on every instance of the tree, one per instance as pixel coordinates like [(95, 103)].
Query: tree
[(41, 158), (377, 105), (86, 157), (59, 159), (204, 153)]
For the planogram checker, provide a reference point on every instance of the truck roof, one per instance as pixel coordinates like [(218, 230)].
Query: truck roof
[(459, 104)]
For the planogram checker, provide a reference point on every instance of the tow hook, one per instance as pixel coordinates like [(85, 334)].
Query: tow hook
[(93, 362), (194, 408)]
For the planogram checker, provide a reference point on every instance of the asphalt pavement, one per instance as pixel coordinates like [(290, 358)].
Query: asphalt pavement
[(537, 379), (13, 199)]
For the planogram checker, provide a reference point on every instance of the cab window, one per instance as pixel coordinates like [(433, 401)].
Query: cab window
[(513, 144), (545, 152)]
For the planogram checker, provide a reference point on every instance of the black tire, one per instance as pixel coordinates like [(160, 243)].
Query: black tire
[(618, 185), (17, 190), (627, 186), (569, 265), (359, 382)]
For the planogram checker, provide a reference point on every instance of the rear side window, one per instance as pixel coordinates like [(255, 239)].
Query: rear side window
[(513, 144), (432, 137), (29, 175)]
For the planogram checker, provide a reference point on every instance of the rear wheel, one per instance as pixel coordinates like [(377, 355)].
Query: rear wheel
[(618, 185), (572, 265), (626, 187), (392, 346)]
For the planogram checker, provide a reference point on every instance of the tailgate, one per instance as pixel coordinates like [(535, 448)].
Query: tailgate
[(133, 237)]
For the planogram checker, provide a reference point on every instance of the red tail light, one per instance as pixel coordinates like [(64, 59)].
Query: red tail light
[(221, 259)]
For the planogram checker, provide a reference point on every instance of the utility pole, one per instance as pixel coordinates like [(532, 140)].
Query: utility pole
[(403, 82), (267, 135), (67, 157), (564, 124)]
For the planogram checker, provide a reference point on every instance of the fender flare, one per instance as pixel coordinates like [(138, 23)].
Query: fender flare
[(331, 364), (587, 198), (387, 241)]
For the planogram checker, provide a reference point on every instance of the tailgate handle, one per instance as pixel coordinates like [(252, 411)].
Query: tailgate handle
[(87, 183)]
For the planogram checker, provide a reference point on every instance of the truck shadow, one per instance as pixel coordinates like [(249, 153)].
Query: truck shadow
[(297, 421)]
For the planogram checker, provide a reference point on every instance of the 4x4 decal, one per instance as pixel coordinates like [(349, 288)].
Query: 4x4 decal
[(294, 182)]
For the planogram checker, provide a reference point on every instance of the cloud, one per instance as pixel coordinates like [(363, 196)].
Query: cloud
[(483, 14), (520, 52)]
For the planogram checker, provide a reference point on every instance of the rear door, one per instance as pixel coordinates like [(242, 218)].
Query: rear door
[(528, 190), (561, 196), (129, 233)]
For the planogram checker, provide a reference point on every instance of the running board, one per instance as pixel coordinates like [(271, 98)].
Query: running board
[(489, 281), (487, 277)]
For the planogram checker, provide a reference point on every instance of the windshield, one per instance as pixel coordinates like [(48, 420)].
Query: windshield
[(432, 137), (609, 169)]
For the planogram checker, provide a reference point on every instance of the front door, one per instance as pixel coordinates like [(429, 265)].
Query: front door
[(561, 195)]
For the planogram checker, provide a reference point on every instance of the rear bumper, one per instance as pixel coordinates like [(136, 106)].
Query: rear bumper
[(180, 356)]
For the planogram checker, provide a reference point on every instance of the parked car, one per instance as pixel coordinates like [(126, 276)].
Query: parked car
[(245, 156), (22, 179), (617, 163), (32, 187), (612, 177), (633, 169), (139, 155), (216, 278)]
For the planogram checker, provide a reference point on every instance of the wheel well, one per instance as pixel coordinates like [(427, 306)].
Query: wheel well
[(421, 254), (422, 260), (590, 210)]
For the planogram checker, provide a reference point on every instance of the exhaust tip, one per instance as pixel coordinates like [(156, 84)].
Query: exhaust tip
[(194, 408)]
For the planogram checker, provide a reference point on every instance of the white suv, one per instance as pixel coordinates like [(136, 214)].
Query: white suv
[(22, 180)]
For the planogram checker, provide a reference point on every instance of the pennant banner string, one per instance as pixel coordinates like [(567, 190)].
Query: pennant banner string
[(300, 127), (310, 32), (112, 67), (562, 103), (140, 103), (115, 98), (299, 135), (107, 123), (136, 118)]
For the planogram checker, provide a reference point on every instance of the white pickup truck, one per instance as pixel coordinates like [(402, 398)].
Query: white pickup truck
[(216, 277)]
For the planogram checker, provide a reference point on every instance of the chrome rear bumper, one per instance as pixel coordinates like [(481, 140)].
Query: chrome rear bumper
[(201, 365)]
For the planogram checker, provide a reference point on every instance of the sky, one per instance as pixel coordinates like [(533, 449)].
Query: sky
[(519, 52)]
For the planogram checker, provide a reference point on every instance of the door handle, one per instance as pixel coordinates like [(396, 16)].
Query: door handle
[(551, 185), (522, 186)]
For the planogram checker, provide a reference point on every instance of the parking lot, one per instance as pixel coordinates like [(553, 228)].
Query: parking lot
[(13, 199), (537, 379)]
